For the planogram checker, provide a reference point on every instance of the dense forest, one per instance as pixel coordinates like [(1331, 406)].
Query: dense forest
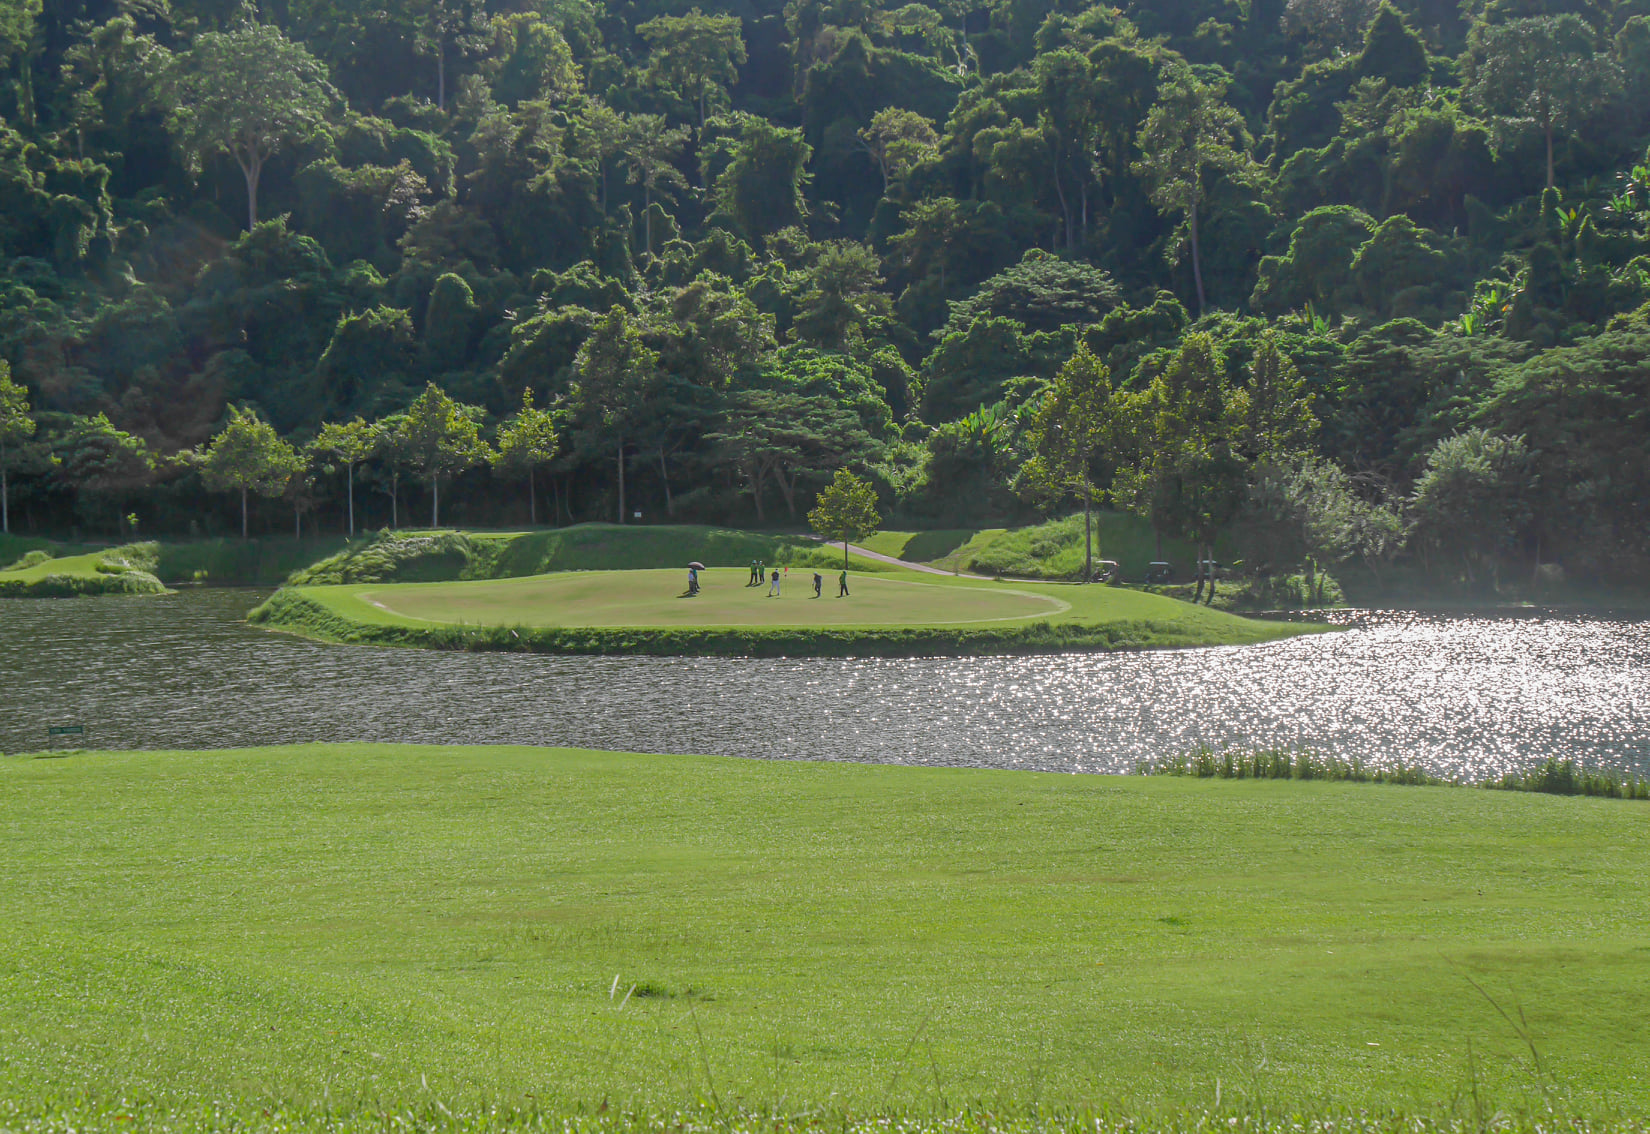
[(1369, 282)]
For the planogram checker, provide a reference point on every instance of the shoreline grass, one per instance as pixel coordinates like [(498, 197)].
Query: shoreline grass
[(1554, 777), (349, 935), (126, 570)]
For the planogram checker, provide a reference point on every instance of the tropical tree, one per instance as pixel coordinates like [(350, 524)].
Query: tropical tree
[(446, 26), (652, 152), (783, 437), (846, 510), (248, 456), (440, 437), (245, 92), (616, 373), (1069, 427), (350, 443), (526, 441), (16, 425), (1542, 70), (841, 294), (1473, 497), (1188, 135), (1183, 467), (101, 463), (898, 139), (696, 55)]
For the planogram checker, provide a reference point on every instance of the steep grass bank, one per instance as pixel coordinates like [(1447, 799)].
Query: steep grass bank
[(438, 556), (214, 562), (336, 934), (128, 570)]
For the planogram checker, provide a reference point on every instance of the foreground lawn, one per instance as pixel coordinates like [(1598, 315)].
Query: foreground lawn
[(372, 926), (895, 599)]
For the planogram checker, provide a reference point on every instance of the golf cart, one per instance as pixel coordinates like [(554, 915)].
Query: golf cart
[(1107, 571), (1159, 572)]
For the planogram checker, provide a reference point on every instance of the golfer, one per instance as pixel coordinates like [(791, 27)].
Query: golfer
[(754, 580), (819, 583), (842, 584), (773, 591)]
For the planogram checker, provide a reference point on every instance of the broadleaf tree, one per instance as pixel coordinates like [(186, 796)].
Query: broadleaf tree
[(846, 510), (1188, 135), (440, 437), (16, 425), (350, 443), (525, 442), (248, 456), (246, 92), (1068, 429)]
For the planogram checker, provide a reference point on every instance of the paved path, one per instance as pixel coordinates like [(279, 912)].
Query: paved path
[(907, 564)]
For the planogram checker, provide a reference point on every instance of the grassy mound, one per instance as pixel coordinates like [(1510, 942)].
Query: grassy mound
[(125, 570), (376, 930), (411, 557), (896, 614)]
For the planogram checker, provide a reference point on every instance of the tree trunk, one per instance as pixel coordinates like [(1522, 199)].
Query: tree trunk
[(756, 496), (435, 502), (1088, 537), (1197, 263), (395, 500), (664, 475), (1065, 206), (5, 496), (647, 217), (243, 513), (844, 553), (532, 502), (1549, 133), (555, 505), (350, 481), (441, 74), (253, 170), (297, 521), (1211, 601), (621, 480)]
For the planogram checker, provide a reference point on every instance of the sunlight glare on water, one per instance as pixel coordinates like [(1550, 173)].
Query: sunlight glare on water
[(1468, 696)]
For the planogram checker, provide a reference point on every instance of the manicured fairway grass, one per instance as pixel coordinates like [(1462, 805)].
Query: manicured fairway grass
[(336, 927), (888, 602), (121, 570)]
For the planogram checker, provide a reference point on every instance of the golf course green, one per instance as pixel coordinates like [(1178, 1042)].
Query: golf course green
[(891, 611), (376, 931)]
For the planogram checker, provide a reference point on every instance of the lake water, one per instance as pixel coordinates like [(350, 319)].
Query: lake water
[(1461, 695)]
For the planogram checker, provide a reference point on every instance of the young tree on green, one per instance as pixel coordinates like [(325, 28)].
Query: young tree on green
[(615, 373), (350, 443), (245, 92), (526, 441), (440, 437), (846, 510), (695, 54), (1069, 427), (248, 456), (652, 151), (1189, 134), (16, 425), (898, 139), (1542, 70)]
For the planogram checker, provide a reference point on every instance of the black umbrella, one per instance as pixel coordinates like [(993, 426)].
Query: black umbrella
[(697, 566)]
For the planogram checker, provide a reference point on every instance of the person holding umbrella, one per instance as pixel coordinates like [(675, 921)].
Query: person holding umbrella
[(693, 576)]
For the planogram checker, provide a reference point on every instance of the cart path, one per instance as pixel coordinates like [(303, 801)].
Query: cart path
[(855, 549)]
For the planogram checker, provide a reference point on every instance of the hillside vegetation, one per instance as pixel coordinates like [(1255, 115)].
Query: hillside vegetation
[(1330, 280)]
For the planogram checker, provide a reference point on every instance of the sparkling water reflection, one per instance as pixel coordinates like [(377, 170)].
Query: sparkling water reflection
[(1469, 695)]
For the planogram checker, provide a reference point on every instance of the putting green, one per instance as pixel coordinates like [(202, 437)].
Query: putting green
[(657, 598)]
